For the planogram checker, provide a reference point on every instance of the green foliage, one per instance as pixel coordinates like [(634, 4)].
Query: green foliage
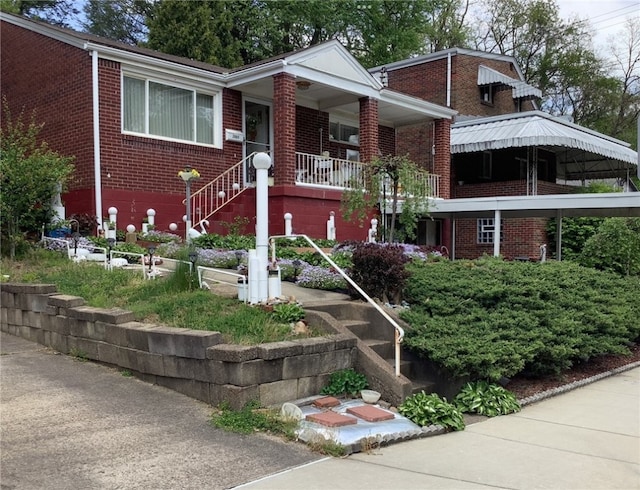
[(424, 410), (252, 419), (379, 269), (152, 301), (487, 399), (87, 223), (614, 247), (288, 312), (345, 382), (231, 34), (228, 242), (576, 231), (487, 318), (389, 179), (31, 174)]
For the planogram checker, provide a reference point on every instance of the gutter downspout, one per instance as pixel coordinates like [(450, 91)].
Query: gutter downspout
[(96, 136), (449, 79)]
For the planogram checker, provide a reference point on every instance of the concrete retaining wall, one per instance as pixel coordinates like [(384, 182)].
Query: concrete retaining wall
[(194, 362)]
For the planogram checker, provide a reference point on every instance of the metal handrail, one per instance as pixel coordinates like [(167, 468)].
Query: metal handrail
[(399, 331), (220, 191), (201, 268)]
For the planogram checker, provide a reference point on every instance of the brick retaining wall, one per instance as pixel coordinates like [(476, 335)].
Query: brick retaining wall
[(194, 362)]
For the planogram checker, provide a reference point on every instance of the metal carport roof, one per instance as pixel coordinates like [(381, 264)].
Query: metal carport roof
[(580, 152)]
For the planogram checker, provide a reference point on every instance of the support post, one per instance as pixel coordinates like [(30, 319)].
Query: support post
[(496, 233)]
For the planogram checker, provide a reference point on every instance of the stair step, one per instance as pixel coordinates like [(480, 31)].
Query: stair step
[(422, 385), (358, 327), (383, 348), (405, 366)]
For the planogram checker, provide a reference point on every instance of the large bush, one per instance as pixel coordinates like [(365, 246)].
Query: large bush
[(379, 269), (614, 247), (487, 318)]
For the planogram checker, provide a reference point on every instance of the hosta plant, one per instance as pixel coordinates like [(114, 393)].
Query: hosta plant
[(423, 409), (345, 382), (487, 399), (288, 312)]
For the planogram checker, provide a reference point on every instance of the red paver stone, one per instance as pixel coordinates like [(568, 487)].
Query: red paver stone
[(370, 414), (326, 402), (331, 419)]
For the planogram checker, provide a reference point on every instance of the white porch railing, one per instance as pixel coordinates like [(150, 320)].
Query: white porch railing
[(217, 193), (318, 170)]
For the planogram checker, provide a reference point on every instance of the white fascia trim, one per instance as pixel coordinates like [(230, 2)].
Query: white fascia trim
[(142, 61), (531, 203), (409, 102), (254, 73), (42, 29)]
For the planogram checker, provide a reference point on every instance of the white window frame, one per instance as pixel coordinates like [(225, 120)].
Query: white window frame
[(486, 94), (180, 84), (343, 121), (486, 230)]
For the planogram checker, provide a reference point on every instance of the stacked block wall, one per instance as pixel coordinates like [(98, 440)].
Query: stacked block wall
[(193, 362)]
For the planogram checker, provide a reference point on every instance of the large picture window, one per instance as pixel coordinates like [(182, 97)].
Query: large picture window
[(157, 109)]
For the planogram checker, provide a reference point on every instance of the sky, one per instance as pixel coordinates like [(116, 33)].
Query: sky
[(607, 17)]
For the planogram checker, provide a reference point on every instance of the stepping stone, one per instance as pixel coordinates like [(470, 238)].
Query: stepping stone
[(326, 402), (331, 419), (370, 414)]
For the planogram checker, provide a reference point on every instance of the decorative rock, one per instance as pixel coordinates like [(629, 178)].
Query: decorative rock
[(301, 328)]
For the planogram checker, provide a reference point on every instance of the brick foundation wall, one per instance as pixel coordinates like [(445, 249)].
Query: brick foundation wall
[(193, 362)]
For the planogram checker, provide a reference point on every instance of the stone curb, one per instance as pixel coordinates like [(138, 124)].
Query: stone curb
[(576, 384)]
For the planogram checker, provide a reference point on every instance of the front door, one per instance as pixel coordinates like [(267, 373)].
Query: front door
[(257, 134)]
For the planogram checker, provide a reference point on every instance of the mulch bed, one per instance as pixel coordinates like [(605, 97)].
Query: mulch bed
[(525, 387)]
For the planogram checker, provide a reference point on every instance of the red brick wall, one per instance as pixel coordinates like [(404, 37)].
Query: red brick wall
[(522, 238), (429, 82), (368, 129), (284, 126), (55, 80), (416, 141)]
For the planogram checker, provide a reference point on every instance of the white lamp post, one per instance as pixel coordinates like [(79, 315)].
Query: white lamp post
[(262, 163), (288, 227), (188, 174)]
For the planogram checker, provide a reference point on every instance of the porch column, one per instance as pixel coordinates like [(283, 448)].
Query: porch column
[(368, 134), (496, 233), (442, 156), (284, 129)]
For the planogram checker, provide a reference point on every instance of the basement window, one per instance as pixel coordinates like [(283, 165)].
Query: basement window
[(486, 230)]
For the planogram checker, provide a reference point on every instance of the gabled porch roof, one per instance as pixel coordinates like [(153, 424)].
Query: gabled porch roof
[(330, 78), (580, 152)]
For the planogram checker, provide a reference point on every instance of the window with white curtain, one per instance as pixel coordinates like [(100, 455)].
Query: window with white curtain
[(157, 109)]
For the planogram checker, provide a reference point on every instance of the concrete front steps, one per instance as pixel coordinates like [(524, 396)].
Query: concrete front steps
[(376, 353)]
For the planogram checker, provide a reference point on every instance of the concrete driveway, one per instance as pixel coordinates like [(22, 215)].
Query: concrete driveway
[(67, 424)]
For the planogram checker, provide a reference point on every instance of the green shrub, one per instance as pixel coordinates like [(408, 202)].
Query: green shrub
[(288, 312), (424, 410), (615, 247), (228, 242), (486, 399), (345, 381), (379, 269), (487, 318)]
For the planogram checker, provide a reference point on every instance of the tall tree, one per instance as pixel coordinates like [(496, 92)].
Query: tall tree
[(121, 20), (59, 12), (244, 31)]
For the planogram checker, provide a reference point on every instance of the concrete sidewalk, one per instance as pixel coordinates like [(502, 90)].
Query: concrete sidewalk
[(72, 424), (588, 438)]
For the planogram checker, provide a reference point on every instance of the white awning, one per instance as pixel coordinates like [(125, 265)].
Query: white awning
[(579, 151), (489, 76)]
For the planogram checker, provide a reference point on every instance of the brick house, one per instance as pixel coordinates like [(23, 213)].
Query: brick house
[(501, 146), (133, 118)]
